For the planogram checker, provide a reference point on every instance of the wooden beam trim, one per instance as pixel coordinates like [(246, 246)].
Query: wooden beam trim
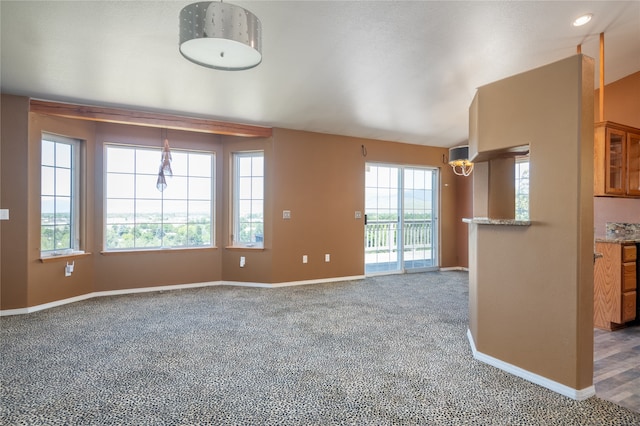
[(147, 119)]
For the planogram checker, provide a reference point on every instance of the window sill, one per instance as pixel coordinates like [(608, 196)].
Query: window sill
[(65, 257), (155, 250), (244, 247)]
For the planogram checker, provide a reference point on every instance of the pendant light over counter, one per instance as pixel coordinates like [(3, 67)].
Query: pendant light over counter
[(220, 36)]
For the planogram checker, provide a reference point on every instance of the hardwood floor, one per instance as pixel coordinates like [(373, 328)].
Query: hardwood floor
[(616, 369)]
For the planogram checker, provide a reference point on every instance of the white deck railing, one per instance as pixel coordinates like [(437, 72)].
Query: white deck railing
[(382, 236)]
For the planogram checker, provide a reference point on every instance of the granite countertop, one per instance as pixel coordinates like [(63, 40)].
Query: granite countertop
[(624, 239), (502, 222)]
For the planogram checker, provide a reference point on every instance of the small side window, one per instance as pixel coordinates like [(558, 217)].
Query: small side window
[(59, 196), (522, 188), (248, 199)]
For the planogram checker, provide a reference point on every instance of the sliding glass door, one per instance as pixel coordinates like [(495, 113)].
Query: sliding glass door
[(382, 219), (401, 219), (419, 218)]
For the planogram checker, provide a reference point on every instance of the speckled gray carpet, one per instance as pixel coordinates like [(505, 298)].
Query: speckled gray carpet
[(387, 350)]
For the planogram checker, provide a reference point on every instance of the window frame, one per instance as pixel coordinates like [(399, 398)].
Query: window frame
[(162, 222), (76, 198), (235, 195), (519, 160)]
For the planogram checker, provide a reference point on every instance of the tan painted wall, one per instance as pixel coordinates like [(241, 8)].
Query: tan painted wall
[(319, 177), (531, 297), (14, 180), (621, 101), (622, 105), (501, 196)]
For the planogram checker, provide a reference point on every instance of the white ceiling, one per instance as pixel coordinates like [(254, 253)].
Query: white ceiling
[(400, 71)]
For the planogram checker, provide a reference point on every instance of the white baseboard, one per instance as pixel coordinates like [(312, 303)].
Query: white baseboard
[(294, 283), (455, 268), (158, 288), (31, 309), (577, 394), (9, 312)]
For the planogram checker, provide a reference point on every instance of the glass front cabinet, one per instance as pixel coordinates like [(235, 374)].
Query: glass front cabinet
[(633, 163), (616, 160)]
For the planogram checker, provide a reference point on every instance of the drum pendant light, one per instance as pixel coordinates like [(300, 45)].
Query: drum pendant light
[(220, 35)]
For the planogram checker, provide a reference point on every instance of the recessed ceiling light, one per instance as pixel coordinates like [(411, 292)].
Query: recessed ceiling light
[(581, 20)]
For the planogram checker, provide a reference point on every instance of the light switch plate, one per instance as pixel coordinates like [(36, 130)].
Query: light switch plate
[(4, 214)]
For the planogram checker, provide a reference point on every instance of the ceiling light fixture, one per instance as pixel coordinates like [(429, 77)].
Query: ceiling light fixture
[(220, 36), (459, 160), (581, 20)]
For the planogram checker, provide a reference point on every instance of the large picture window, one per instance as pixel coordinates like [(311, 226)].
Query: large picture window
[(248, 199), (139, 216), (59, 195)]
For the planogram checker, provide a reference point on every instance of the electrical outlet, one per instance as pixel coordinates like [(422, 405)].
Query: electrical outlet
[(68, 269), (305, 259), (286, 214), (327, 257), (358, 215)]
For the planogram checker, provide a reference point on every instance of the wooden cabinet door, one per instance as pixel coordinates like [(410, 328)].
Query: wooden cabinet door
[(600, 134), (614, 285), (629, 253), (633, 164), (628, 277), (607, 288), (628, 307), (615, 150)]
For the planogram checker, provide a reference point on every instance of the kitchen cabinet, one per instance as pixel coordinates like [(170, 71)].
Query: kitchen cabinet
[(614, 285), (616, 160), (633, 163)]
